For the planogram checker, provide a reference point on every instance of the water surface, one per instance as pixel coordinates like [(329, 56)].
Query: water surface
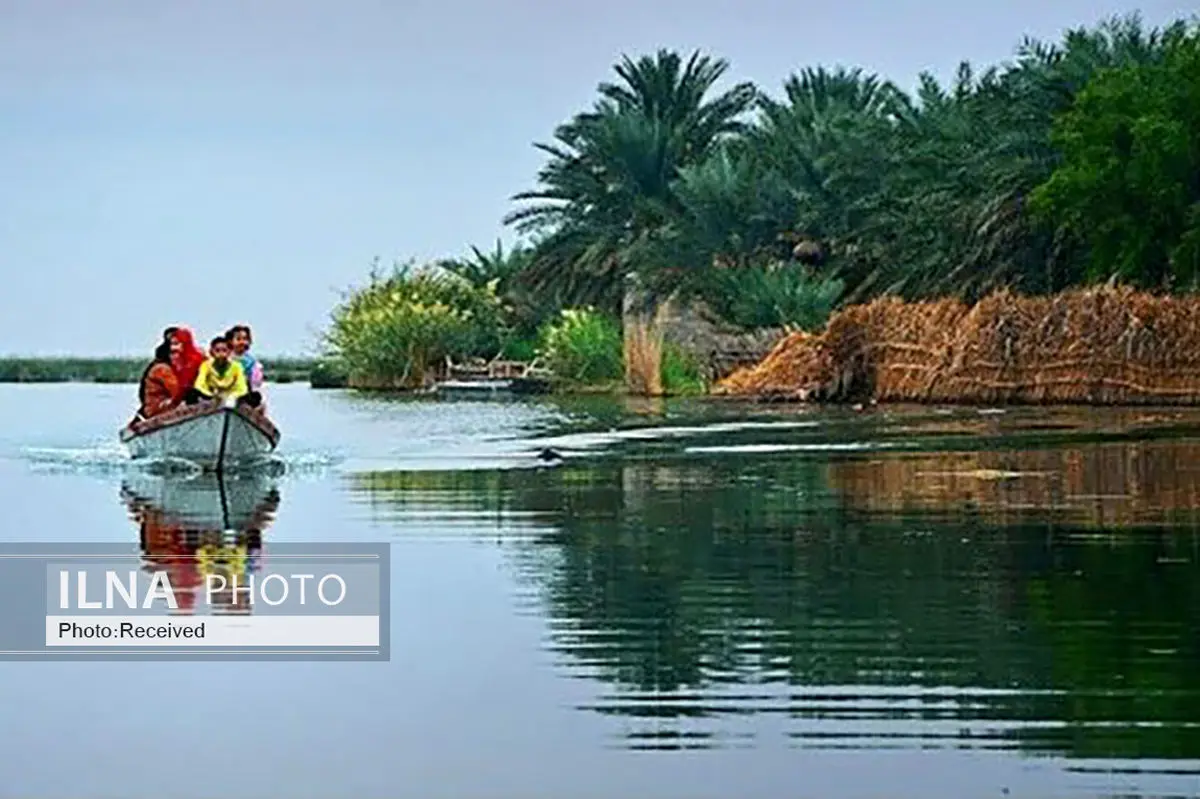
[(700, 600)]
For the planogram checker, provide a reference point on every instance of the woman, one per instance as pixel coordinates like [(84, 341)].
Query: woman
[(159, 389), (164, 347), (186, 358)]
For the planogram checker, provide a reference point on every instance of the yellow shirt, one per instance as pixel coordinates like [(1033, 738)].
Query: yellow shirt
[(230, 384)]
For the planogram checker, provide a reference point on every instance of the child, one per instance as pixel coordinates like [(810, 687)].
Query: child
[(220, 376), (240, 339)]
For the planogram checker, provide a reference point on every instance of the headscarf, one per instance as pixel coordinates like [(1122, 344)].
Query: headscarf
[(187, 363), (162, 354)]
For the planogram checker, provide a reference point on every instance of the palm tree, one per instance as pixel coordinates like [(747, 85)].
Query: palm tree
[(504, 271), (606, 197), (606, 191), (829, 142)]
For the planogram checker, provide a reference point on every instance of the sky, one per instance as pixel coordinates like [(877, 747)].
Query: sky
[(207, 162)]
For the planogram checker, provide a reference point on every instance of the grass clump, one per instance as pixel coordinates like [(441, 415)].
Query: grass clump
[(583, 347), (681, 373), (397, 331)]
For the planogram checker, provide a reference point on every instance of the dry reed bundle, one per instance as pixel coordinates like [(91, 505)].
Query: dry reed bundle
[(1106, 345), (642, 329), (794, 365)]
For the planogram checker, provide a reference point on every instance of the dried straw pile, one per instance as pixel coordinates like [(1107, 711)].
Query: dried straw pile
[(1107, 345)]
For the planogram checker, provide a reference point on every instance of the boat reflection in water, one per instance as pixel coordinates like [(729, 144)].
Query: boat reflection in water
[(208, 524)]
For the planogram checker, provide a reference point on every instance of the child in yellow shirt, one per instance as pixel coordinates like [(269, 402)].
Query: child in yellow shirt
[(220, 377)]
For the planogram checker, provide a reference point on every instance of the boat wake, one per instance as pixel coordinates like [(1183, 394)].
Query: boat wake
[(110, 460), (591, 441), (102, 459)]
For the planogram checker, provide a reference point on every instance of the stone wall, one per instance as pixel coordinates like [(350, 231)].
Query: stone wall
[(719, 348)]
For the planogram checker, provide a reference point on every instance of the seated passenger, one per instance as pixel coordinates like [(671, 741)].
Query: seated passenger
[(159, 388), (165, 345), (186, 358), (240, 339), (220, 377)]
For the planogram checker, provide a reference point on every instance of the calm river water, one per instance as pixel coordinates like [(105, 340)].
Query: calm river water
[(702, 600)]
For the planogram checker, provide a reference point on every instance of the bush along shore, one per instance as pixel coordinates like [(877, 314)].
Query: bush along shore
[(404, 329), (841, 194), (128, 370)]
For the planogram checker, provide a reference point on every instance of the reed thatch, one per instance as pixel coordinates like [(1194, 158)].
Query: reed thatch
[(1106, 345)]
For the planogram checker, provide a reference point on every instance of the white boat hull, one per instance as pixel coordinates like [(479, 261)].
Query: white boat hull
[(212, 437)]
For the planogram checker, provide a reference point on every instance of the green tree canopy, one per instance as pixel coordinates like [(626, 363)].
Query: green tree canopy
[(605, 194), (1129, 181)]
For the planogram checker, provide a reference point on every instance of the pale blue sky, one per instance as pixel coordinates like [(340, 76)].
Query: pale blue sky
[(214, 161)]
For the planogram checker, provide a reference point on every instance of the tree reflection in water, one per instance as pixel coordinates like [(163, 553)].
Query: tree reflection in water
[(1034, 599)]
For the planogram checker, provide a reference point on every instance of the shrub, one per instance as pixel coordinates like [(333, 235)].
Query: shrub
[(583, 346), (519, 348), (328, 373), (394, 330)]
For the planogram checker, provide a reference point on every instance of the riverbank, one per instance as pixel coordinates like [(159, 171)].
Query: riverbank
[(127, 370)]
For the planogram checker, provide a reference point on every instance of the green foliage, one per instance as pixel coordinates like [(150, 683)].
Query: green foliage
[(520, 348), (681, 374), (524, 311), (583, 346), (1074, 162), (394, 330), (918, 195), (755, 296), (329, 373), (1130, 156), (606, 191)]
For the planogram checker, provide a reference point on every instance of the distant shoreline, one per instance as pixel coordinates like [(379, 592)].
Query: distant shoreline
[(68, 369)]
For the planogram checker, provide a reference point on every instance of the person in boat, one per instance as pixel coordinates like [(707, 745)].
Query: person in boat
[(158, 391), (186, 359), (165, 344), (240, 338), (220, 376)]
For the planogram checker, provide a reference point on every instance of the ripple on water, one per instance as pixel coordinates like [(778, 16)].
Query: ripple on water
[(1038, 601), (111, 460)]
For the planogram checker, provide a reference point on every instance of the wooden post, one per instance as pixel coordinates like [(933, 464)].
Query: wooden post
[(641, 324)]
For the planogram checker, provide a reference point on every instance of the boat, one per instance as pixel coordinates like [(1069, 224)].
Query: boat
[(491, 378), (515, 385), (214, 436)]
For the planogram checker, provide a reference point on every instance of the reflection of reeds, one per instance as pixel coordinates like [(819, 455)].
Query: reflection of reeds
[(1112, 484), (1107, 345)]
